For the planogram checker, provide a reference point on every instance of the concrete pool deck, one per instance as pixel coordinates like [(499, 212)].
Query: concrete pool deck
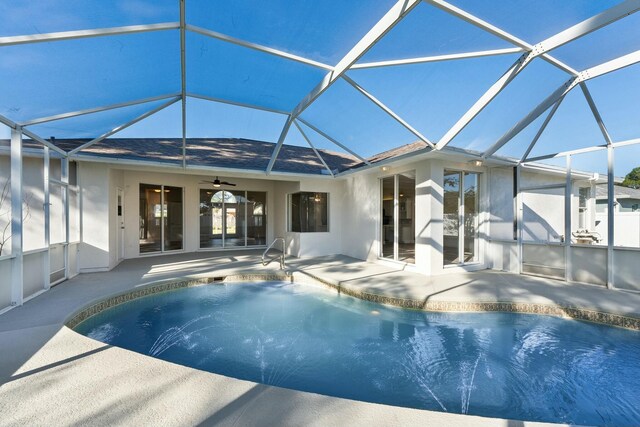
[(50, 375)]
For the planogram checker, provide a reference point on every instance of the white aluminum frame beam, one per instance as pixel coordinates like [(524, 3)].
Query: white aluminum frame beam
[(590, 73), (81, 34), (589, 25), (436, 58), (568, 276), (387, 110), (577, 31), (13, 125), (255, 46), (306, 138), (236, 103), (276, 150), (397, 12), (542, 129), (584, 150), (595, 112), (124, 126), (610, 216), (17, 273), (344, 147), (183, 83), (474, 20), (71, 114), (47, 217)]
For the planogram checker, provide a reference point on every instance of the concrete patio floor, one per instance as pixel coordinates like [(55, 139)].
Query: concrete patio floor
[(50, 375)]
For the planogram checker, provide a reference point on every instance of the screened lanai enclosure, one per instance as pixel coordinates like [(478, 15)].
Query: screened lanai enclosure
[(440, 136)]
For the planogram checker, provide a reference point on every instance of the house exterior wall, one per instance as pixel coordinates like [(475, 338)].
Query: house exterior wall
[(94, 193), (191, 185)]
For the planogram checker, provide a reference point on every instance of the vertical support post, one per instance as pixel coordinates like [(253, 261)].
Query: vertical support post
[(47, 218), (519, 217), (183, 72), (610, 217), (16, 217), (567, 222), (461, 219), (396, 215), (64, 175)]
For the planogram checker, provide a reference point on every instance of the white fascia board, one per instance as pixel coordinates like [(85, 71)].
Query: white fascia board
[(382, 27), (437, 58), (124, 126), (387, 110), (255, 46), (96, 109), (80, 34)]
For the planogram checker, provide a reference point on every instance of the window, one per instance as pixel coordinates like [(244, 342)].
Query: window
[(584, 194), (308, 212)]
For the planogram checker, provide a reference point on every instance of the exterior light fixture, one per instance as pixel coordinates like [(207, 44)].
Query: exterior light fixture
[(385, 168), (477, 162)]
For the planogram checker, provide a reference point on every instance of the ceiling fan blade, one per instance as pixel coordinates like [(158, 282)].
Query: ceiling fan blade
[(227, 183)]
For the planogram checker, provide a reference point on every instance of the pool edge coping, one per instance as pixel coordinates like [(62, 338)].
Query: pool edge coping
[(550, 309)]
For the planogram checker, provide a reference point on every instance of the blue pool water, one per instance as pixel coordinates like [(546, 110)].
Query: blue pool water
[(302, 337)]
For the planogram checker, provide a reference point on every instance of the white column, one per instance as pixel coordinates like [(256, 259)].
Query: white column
[(16, 217), (47, 219), (610, 217), (567, 222)]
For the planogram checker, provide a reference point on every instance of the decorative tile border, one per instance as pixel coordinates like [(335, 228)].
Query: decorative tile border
[(558, 310)]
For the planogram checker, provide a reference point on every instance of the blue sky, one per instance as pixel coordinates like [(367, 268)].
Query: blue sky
[(49, 78)]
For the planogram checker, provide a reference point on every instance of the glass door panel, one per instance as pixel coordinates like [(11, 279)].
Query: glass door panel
[(451, 217), (210, 218), (256, 218), (406, 218), (229, 219), (173, 223), (150, 234), (470, 217), (388, 217), (234, 205)]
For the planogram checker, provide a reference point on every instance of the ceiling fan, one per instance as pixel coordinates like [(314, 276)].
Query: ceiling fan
[(217, 183)]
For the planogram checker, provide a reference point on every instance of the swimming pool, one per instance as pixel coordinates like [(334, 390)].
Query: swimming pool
[(308, 338)]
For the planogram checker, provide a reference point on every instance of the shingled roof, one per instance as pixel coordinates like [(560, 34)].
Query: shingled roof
[(234, 153)]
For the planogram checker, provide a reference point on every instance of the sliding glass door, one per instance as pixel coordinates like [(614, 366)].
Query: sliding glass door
[(460, 219), (398, 217), (161, 218), (232, 218)]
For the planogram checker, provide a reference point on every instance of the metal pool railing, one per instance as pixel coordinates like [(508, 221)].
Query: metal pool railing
[(266, 262)]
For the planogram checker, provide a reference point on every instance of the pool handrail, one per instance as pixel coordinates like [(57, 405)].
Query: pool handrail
[(264, 254)]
